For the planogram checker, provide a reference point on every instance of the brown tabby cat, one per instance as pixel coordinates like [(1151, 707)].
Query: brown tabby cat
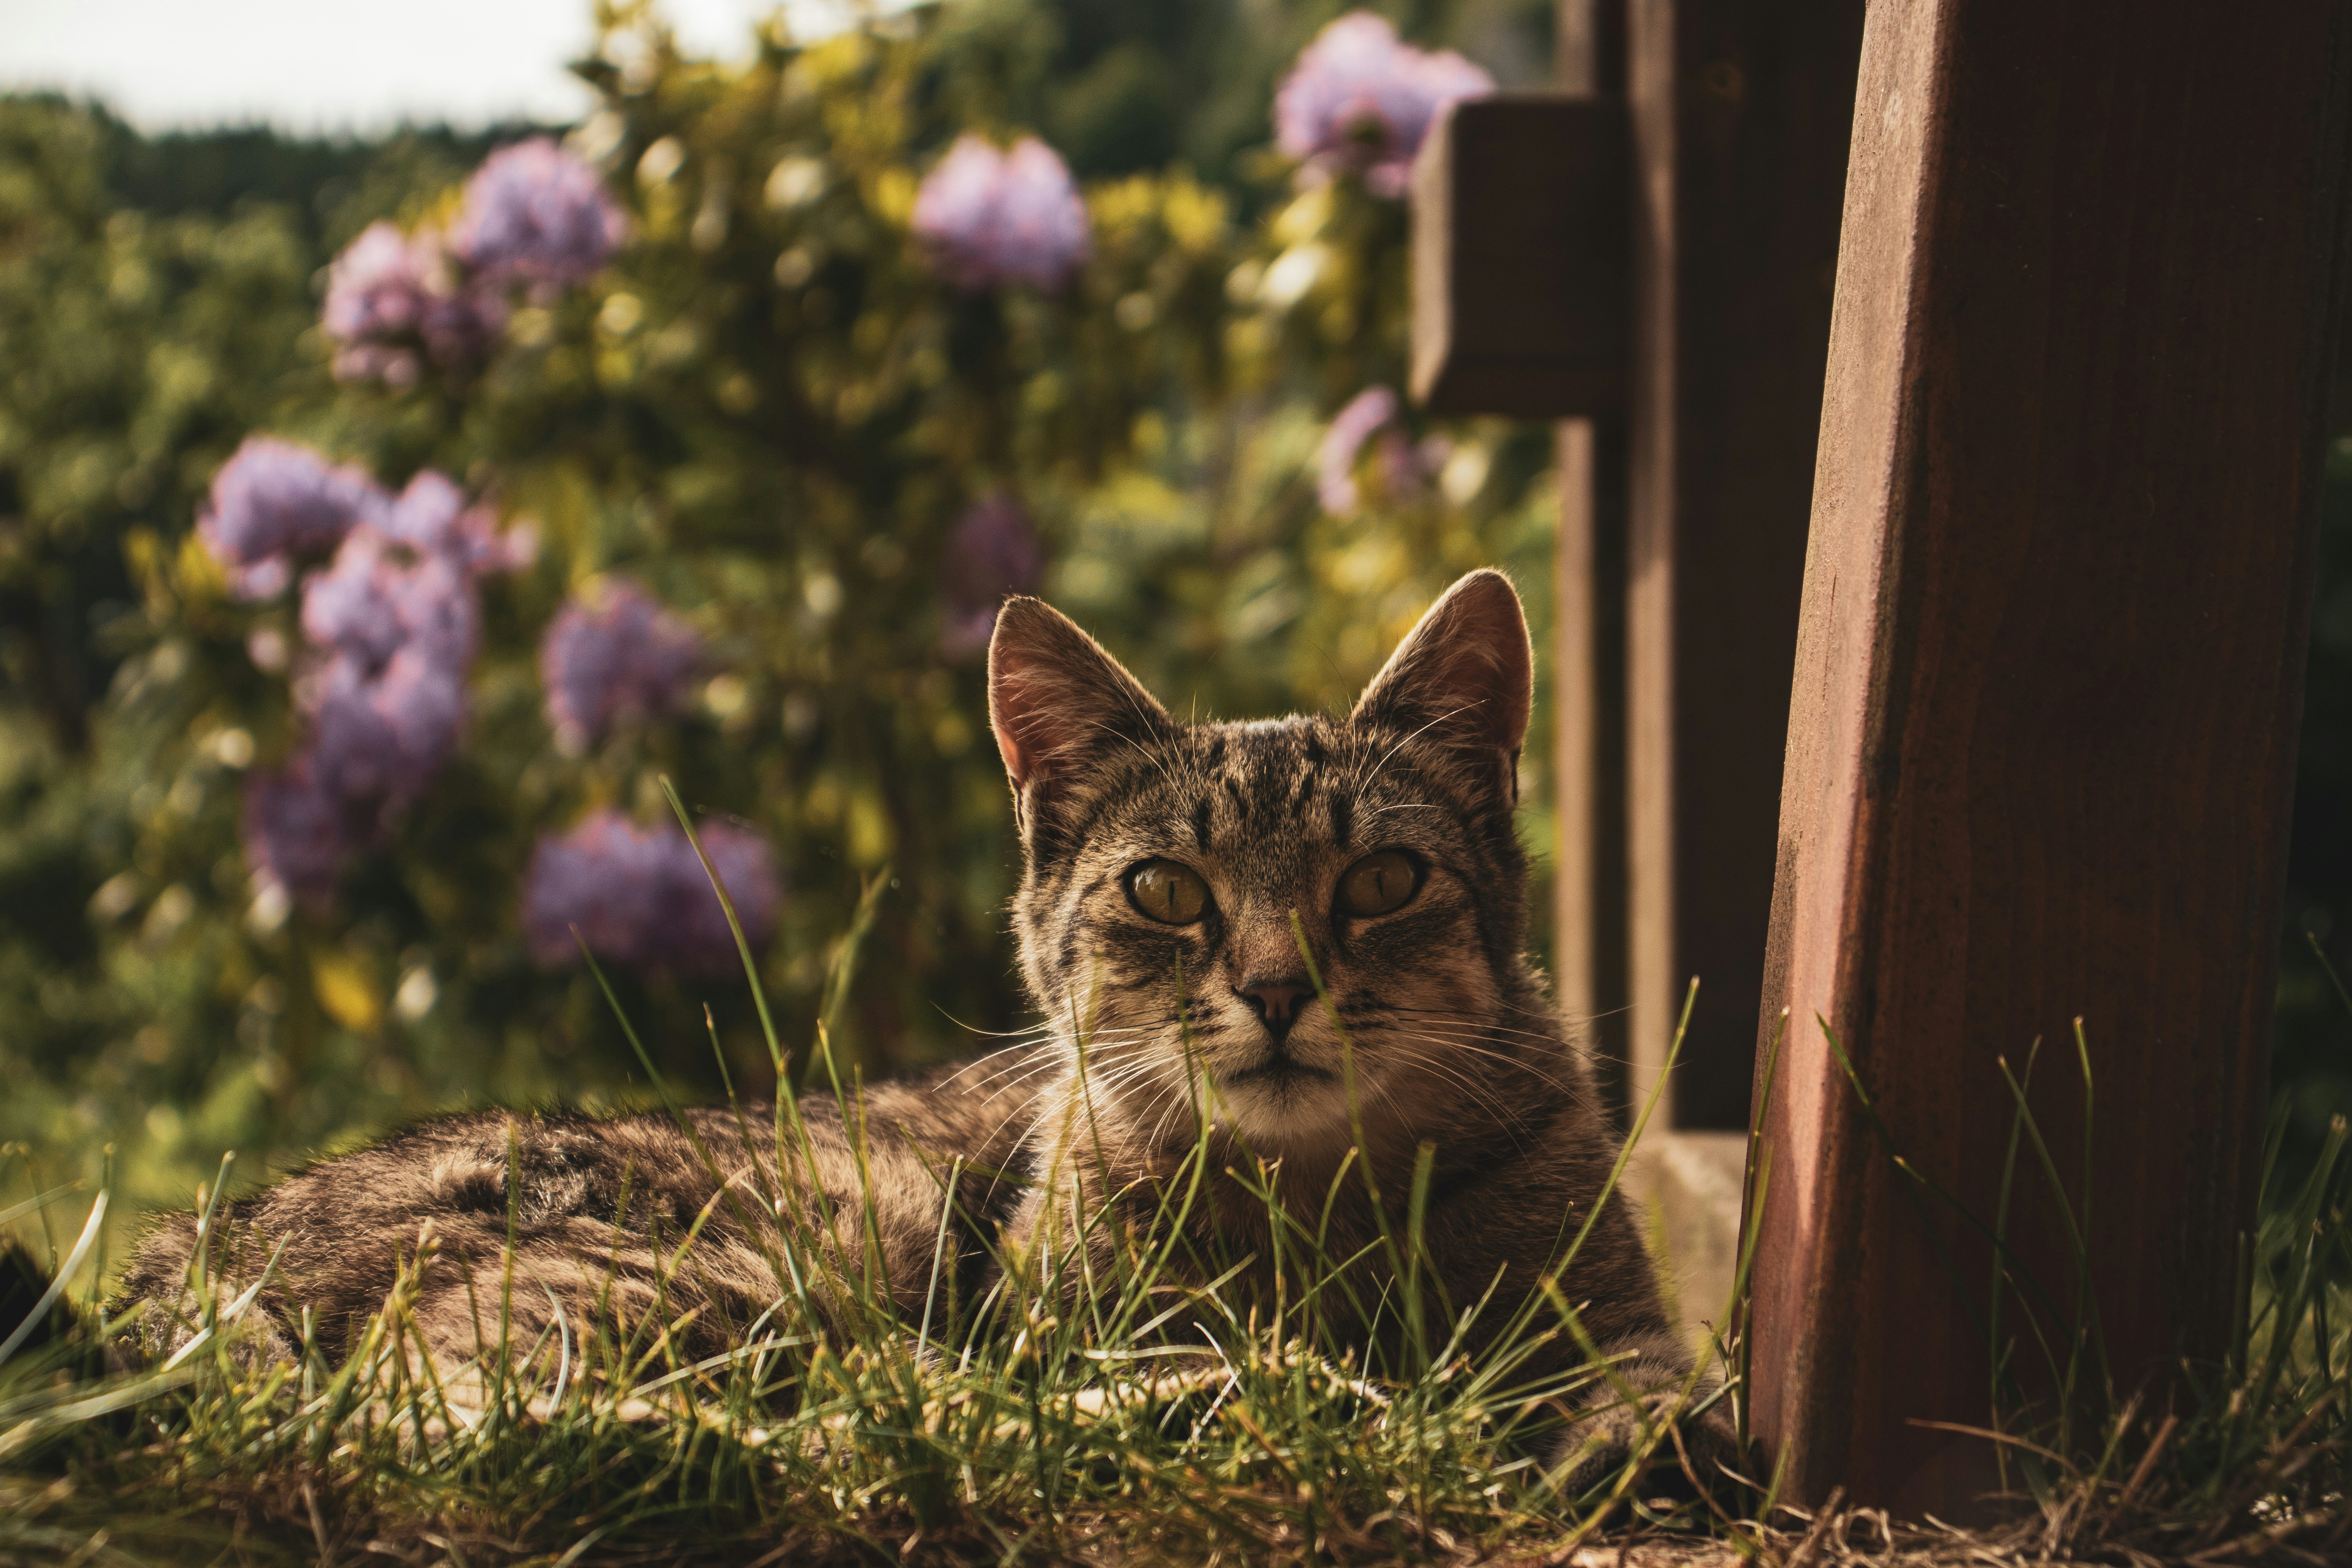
[(1270, 944)]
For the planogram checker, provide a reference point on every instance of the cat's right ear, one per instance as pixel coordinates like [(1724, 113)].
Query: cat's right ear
[(1059, 703)]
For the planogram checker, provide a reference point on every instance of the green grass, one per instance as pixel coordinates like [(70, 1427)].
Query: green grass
[(1148, 1422), (1010, 1429)]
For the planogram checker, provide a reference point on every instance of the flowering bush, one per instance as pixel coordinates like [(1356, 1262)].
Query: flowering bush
[(392, 622), (1404, 468), (993, 550), (394, 303), (703, 444)]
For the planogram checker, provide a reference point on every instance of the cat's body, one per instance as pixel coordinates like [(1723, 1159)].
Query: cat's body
[(1278, 964), (600, 1211)]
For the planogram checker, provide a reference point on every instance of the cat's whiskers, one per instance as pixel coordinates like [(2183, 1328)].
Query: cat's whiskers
[(978, 1061), (1566, 1079), (1105, 1092), (1562, 1074), (1503, 1117), (1454, 1015), (1045, 1061)]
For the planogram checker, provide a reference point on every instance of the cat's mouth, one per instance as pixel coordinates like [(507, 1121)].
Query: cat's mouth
[(1280, 1068)]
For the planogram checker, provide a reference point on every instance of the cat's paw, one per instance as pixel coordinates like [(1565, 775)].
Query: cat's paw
[(1683, 1455)]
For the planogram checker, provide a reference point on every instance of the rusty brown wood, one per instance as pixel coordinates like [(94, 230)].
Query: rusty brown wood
[(2049, 673), (1740, 114)]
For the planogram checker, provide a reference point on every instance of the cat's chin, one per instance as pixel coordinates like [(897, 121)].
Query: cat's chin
[(1276, 1114)]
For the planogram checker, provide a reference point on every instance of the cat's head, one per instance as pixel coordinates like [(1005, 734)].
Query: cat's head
[(1172, 870)]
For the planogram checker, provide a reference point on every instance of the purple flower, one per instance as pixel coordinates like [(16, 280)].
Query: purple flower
[(535, 214), (612, 649), (380, 598), (378, 738), (1358, 99), (392, 297), (1403, 467), (375, 296), (297, 833), (273, 500), (432, 515), (640, 897), (992, 551), (988, 218), (1334, 460), (392, 622)]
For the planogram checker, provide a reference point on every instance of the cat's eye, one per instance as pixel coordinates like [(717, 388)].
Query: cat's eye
[(1168, 891), (1378, 884)]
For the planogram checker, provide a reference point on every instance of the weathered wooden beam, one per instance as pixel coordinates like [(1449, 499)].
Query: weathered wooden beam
[(1518, 258), (2048, 679), (1741, 112)]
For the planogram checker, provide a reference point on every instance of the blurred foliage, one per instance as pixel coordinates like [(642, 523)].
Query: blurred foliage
[(771, 412)]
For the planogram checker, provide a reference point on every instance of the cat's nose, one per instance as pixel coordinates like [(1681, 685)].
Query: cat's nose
[(1276, 1001)]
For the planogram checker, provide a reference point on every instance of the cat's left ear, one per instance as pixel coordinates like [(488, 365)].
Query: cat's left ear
[(1059, 702), (1464, 675)]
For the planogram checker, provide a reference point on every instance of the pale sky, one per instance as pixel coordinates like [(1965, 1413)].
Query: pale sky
[(337, 66)]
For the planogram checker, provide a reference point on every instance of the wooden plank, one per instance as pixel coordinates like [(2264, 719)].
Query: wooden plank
[(1518, 256), (1740, 112), (2049, 674), (1588, 970), (1588, 644)]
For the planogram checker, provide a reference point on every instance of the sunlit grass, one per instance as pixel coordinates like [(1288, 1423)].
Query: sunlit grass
[(1121, 1415), (1125, 1415)]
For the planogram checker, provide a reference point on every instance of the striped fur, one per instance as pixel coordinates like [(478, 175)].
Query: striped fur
[(1432, 1015)]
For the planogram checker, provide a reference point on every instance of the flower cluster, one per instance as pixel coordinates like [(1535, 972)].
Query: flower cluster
[(992, 551), (612, 649), (1360, 100), (274, 503), (432, 515), (393, 301), (533, 216), (392, 622), (536, 215), (987, 218), (639, 896), (1403, 467)]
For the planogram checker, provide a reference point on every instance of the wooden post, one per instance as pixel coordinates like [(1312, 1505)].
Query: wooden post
[(1670, 696), (1589, 633), (2049, 675), (1741, 112)]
